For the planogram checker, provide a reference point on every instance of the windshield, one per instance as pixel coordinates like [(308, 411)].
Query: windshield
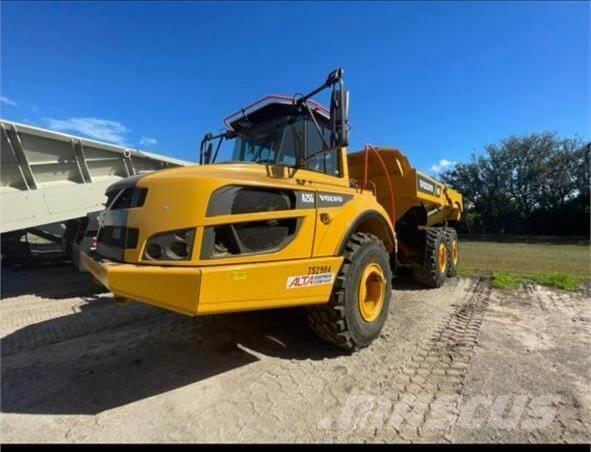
[(279, 142), (284, 141)]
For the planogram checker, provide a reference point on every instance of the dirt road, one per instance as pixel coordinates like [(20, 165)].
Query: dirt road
[(461, 363)]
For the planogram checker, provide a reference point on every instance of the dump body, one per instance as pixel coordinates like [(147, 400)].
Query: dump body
[(410, 188)]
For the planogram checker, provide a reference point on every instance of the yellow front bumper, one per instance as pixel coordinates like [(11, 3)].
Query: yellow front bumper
[(174, 288), (216, 289)]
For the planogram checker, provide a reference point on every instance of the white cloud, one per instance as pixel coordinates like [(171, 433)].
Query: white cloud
[(7, 101), (99, 129), (148, 141), (442, 165)]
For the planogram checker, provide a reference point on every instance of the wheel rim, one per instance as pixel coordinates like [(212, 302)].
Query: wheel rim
[(455, 252), (442, 258), (371, 292)]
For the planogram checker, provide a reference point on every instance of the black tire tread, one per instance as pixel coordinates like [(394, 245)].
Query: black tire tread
[(450, 235), (328, 320), (428, 273)]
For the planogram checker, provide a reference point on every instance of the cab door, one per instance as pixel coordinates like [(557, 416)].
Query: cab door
[(327, 173)]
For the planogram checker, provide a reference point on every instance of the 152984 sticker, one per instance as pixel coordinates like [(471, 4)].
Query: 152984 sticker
[(319, 269), (296, 282)]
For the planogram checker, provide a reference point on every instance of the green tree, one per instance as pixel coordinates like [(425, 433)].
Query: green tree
[(537, 183)]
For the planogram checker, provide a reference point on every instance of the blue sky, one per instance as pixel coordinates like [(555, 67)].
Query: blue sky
[(437, 79)]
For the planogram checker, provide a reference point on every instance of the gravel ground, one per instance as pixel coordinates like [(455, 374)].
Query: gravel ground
[(463, 363)]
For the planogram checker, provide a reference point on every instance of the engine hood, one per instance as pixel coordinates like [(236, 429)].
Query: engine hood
[(233, 171), (176, 199)]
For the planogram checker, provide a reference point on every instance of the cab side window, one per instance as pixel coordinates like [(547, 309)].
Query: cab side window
[(325, 162), (291, 143)]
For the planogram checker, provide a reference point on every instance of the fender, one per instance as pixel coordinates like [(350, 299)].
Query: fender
[(369, 214)]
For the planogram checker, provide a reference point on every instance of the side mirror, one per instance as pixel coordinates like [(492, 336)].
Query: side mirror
[(339, 115)]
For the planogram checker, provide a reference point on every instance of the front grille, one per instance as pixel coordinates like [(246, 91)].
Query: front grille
[(131, 197), (119, 237)]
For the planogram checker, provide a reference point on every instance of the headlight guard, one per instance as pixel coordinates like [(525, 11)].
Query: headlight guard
[(170, 246)]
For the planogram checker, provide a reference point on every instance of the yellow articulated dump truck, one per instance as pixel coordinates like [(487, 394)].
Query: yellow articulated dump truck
[(290, 219)]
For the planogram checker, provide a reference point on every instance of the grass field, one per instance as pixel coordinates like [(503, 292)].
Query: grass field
[(563, 264)]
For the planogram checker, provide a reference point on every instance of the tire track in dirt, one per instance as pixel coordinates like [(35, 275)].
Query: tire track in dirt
[(575, 306), (548, 336), (436, 374), (424, 394)]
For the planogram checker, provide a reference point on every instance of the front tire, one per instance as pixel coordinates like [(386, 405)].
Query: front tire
[(358, 307)]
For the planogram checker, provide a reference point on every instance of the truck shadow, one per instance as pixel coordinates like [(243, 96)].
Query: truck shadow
[(74, 368)]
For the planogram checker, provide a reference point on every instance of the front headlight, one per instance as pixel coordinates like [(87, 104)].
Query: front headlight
[(170, 246)]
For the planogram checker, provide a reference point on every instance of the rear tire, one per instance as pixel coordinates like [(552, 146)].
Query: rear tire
[(433, 271), (453, 248), (358, 307)]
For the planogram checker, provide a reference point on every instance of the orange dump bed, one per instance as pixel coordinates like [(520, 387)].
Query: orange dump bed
[(388, 167)]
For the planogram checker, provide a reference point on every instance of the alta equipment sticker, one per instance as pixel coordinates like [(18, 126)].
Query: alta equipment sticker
[(295, 282)]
